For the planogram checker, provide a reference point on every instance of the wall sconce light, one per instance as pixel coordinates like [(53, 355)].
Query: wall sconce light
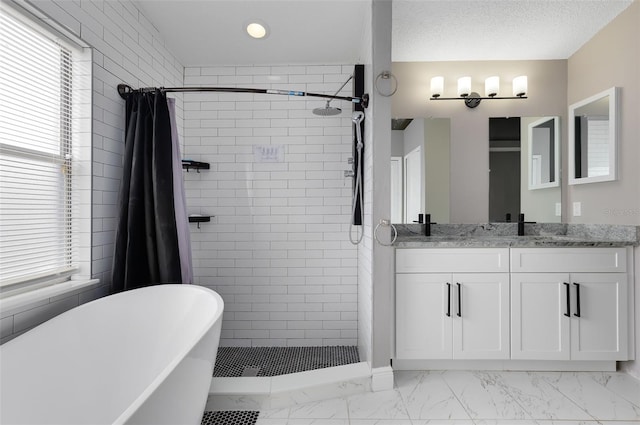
[(472, 99), (437, 86), (464, 86)]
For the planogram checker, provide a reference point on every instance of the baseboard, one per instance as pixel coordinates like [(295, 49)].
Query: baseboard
[(506, 365), (382, 378)]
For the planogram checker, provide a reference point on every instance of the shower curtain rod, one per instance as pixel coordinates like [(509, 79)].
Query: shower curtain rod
[(124, 90)]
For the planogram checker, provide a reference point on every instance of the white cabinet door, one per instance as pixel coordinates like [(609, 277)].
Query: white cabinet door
[(423, 329), (540, 327), (481, 316), (599, 316)]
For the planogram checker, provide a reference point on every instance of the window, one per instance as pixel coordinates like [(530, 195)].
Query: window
[(41, 161)]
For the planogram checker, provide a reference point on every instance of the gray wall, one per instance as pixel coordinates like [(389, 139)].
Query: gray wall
[(612, 58)]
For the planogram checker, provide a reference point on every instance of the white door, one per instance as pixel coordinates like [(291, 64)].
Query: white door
[(396, 189), (599, 320), (481, 320), (539, 328), (423, 316), (413, 191)]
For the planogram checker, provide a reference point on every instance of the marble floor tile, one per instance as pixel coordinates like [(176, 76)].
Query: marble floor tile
[(377, 405), (514, 422), (620, 383), (302, 421), (335, 408), (270, 421), (593, 397), (427, 396), (539, 398), (483, 396), (275, 413)]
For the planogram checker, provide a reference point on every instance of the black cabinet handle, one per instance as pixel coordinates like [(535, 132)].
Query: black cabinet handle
[(577, 313), (448, 299), (459, 299), (568, 313)]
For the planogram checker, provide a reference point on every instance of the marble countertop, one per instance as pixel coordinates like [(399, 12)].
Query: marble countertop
[(499, 235)]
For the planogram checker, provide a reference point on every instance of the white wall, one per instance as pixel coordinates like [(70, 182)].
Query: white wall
[(278, 249), (126, 49)]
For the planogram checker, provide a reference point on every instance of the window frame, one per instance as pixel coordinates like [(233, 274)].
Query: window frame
[(74, 155)]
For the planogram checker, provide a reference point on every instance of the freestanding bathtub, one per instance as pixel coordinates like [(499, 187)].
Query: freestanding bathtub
[(138, 357)]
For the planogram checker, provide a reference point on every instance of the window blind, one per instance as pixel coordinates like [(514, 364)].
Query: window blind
[(37, 204)]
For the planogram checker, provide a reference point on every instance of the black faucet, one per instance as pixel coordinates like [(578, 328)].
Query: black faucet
[(521, 224), (427, 224)]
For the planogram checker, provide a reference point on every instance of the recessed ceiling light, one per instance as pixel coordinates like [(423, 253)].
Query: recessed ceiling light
[(257, 29)]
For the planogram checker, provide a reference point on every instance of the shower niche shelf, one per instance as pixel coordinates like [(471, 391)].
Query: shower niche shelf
[(189, 164), (199, 219)]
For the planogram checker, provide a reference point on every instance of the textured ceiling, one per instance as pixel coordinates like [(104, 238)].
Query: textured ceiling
[(456, 30), (211, 32)]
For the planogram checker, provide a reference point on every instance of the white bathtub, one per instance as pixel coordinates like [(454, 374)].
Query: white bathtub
[(141, 356)]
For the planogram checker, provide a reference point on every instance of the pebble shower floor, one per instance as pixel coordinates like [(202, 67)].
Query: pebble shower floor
[(271, 361)]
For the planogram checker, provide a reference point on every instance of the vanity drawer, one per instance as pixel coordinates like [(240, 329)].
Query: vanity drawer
[(489, 260), (604, 260)]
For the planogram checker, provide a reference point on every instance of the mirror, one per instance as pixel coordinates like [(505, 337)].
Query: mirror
[(543, 153), (420, 154), (592, 138), (524, 169)]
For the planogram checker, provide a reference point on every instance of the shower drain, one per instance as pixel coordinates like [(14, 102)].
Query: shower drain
[(250, 371)]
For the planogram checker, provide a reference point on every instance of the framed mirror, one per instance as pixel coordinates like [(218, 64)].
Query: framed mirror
[(543, 153), (593, 126)]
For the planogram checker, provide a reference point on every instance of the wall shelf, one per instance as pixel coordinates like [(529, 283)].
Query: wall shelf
[(199, 219), (189, 164)]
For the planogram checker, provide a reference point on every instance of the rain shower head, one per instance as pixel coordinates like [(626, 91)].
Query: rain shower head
[(327, 111)]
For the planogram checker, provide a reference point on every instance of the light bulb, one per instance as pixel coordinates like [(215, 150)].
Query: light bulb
[(492, 86), (464, 86), (520, 86), (437, 86)]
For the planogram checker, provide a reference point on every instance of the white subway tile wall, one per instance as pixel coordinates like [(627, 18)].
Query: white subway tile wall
[(126, 49), (278, 248)]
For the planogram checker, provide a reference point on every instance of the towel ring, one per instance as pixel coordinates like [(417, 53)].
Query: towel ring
[(386, 75), (386, 223)]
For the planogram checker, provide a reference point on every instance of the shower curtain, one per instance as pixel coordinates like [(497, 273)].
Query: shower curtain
[(152, 243)]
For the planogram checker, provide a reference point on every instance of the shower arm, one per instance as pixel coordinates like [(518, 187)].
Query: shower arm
[(125, 90), (338, 91)]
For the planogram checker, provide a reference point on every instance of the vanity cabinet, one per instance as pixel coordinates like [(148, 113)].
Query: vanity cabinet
[(569, 304), (452, 303), (554, 305)]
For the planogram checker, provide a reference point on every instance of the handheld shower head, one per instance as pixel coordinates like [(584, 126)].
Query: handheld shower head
[(357, 117)]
